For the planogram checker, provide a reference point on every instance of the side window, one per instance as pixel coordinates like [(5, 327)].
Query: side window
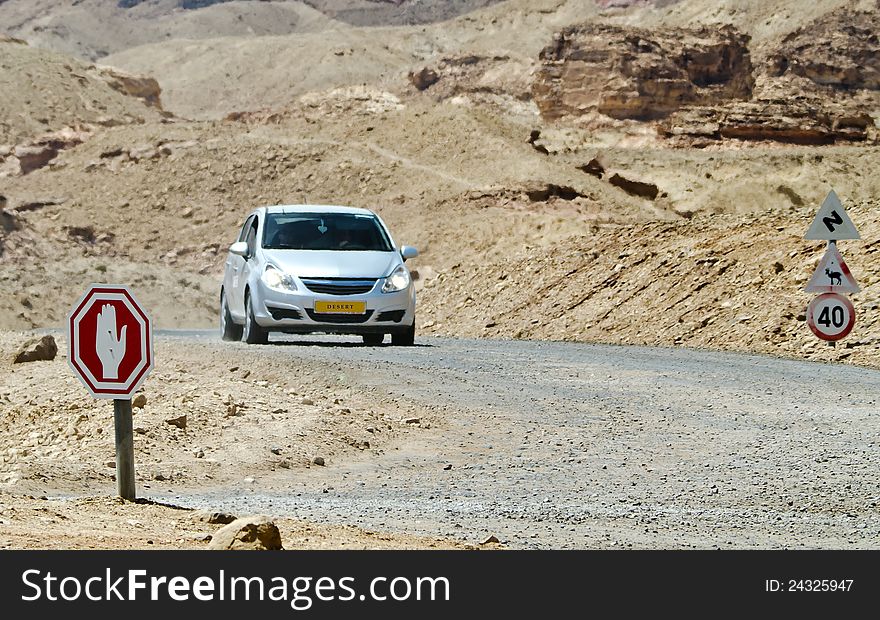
[(252, 237), (244, 229)]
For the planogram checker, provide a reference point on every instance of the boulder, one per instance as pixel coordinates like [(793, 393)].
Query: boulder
[(37, 349), (254, 533), (424, 78)]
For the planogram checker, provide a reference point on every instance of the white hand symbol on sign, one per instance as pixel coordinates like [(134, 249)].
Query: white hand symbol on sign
[(110, 349)]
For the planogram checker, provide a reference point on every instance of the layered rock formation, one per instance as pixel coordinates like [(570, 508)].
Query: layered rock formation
[(630, 73), (793, 121), (841, 51)]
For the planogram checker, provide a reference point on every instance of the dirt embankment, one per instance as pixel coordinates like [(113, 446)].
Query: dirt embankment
[(209, 420)]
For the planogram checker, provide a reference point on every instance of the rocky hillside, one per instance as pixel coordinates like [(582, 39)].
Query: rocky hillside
[(52, 102), (396, 12), (92, 29)]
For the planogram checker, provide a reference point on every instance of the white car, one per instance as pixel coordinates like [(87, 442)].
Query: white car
[(308, 268)]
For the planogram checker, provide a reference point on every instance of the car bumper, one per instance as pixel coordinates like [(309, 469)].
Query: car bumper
[(386, 313)]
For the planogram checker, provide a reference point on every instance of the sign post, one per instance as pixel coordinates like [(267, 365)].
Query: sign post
[(110, 349), (831, 315)]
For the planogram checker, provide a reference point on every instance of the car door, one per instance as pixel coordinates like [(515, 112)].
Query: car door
[(233, 284), (250, 264)]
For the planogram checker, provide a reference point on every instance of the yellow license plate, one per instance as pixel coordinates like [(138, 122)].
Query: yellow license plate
[(341, 307)]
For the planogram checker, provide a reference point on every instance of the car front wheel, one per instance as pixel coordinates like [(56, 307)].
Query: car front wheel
[(228, 328), (405, 339), (253, 333)]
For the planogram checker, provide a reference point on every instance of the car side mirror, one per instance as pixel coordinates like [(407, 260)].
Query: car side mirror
[(408, 251), (239, 248)]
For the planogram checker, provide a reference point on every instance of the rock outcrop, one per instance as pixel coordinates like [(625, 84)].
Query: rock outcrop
[(476, 74), (631, 73), (37, 153), (142, 87), (784, 120), (840, 50)]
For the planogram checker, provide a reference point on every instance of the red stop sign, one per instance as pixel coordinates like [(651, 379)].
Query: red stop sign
[(110, 341)]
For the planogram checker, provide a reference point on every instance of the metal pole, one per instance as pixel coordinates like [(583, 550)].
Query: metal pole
[(124, 449)]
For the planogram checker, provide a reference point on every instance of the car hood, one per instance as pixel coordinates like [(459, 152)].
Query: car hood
[(334, 264)]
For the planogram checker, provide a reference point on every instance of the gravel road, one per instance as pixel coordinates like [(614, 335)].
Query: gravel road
[(558, 445)]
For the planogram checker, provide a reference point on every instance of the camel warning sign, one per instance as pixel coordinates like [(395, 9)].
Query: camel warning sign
[(832, 275)]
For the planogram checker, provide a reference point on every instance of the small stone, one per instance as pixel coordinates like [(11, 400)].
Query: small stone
[(139, 401), (216, 517), (412, 420), (318, 460), (110, 463), (447, 467), (307, 401), (275, 450), (249, 480), (490, 540), (179, 422)]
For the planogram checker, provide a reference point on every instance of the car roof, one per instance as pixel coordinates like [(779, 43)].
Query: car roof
[(315, 209)]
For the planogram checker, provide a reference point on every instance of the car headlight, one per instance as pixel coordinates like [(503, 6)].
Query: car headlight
[(397, 281), (277, 280)]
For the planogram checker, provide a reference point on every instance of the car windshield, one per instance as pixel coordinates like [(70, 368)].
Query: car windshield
[(325, 231)]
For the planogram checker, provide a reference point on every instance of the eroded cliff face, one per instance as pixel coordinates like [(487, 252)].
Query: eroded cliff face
[(818, 85), (629, 73), (841, 51)]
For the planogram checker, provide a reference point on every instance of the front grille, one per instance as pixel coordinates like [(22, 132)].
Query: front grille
[(340, 286), (392, 315), (284, 313), (320, 317)]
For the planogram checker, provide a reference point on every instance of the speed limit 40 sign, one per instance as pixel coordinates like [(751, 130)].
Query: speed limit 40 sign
[(831, 316)]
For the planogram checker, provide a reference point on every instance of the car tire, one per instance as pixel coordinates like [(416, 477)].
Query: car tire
[(405, 339), (373, 339), (253, 333), (229, 329)]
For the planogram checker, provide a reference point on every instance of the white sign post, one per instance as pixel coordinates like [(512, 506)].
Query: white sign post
[(831, 315)]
